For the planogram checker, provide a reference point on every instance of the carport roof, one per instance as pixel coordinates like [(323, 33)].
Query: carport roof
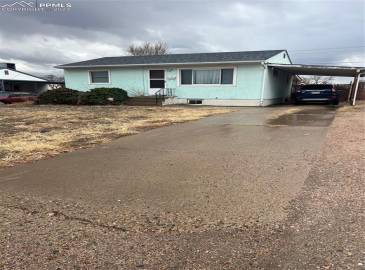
[(320, 70)]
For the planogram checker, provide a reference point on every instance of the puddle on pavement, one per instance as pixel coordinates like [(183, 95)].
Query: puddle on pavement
[(315, 118)]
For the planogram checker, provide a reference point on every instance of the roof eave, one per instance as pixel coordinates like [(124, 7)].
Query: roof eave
[(159, 64)]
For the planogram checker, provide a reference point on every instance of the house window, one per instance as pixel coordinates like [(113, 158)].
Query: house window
[(186, 76), (157, 78), (6, 72), (99, 76), (206, 76), (227, 76), (209, 76)]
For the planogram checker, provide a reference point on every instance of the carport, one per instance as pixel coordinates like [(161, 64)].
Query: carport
[(336, 71)]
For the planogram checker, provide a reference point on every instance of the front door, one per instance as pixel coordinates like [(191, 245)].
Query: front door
[(157, 80)]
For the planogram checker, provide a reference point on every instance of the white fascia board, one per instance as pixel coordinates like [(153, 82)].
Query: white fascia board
[(162, 64)]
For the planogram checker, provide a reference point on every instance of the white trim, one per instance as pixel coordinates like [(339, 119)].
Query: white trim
[(263, 84), (178, 83), (162, 64), (92, 83), (356, 88)]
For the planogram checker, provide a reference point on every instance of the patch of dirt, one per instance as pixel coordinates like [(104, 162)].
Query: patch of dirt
[(325, 228)]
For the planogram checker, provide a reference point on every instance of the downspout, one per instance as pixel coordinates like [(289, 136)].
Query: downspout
[(263, 84), (144, 83)]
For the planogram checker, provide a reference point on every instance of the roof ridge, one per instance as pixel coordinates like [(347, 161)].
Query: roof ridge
[(178, 58), (194, 53)]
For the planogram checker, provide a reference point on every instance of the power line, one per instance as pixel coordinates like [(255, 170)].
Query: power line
[(340, 62), (329, 52), (325, 49)]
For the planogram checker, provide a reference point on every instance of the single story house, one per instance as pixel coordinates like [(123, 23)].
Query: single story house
[(224, 78), (13, 80)]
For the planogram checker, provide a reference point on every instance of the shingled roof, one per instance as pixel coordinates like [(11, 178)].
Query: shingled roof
[(169, 59)]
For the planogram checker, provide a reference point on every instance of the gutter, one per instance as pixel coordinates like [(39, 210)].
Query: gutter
[(159, 64)]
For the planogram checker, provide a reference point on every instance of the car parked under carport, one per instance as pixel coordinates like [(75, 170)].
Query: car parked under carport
[(321, 70)]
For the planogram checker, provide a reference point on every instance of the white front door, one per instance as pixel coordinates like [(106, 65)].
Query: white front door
[(156, 80)]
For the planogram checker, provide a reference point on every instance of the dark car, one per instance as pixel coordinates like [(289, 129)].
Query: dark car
[(14, 97), (324, 93)]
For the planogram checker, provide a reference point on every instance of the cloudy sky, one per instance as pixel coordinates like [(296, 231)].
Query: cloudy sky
[(313, 31)]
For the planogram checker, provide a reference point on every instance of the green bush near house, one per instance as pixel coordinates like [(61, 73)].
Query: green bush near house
[(60, 96), (97, 96), (103, 96)]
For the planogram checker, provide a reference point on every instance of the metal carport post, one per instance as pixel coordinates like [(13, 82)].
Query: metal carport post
[(356, 88)]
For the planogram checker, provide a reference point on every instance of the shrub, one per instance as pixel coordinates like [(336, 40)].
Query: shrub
[(104, 96), (59, 96)]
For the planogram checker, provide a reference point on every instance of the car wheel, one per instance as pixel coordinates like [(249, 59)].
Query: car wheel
[(335, 102)]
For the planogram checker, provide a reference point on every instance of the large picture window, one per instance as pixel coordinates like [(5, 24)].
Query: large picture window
[(99, 76), (206, 76), (157, 78)]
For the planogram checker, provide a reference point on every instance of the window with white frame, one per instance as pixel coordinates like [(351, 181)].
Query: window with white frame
[(217, 76), (100, 76)]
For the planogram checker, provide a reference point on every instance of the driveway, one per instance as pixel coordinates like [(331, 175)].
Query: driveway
[(233, 166), (235, 171)]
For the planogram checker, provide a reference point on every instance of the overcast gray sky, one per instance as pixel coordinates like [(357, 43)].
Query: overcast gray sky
[(317, 32)]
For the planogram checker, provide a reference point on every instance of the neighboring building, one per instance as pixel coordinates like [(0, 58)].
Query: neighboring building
[(12, 80), (227, 78)]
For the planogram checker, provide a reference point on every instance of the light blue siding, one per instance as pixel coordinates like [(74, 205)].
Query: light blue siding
[(247, 85), (133, 80), (277, 87), (136, 82)]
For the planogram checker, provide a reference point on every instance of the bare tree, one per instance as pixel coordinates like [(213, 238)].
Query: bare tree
[(315, 79), (148, 48)]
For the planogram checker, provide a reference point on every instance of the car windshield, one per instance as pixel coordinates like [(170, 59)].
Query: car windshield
[(316, 87)]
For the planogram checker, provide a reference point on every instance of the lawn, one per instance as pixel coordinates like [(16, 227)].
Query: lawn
[(35, 132)]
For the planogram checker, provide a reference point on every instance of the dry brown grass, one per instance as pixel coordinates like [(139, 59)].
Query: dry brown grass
[(35, 132)]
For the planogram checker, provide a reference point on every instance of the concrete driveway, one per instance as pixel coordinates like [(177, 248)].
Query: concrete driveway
[(237, 168)]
